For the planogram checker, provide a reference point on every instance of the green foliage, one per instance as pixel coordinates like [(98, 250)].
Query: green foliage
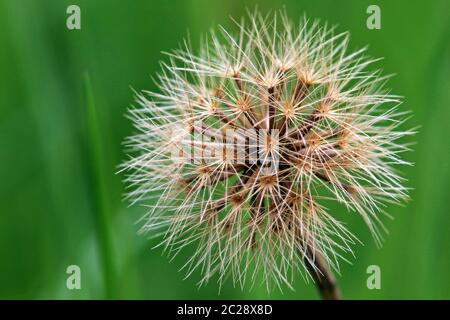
[(61, 133)]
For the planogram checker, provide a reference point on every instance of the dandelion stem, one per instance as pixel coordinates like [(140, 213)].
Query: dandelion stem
[(322, 275)]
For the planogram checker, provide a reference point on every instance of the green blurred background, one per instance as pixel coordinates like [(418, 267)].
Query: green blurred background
[(63, 95)]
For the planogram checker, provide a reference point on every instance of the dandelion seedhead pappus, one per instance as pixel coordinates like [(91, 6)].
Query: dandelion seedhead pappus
[(248, 138)]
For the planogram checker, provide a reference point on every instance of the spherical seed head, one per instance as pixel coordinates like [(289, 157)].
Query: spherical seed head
[(247, 139)]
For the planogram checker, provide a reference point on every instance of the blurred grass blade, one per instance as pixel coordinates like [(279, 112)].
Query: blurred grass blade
[(99, 195)]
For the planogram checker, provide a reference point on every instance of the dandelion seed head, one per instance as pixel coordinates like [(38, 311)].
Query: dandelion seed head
[(319, 122)]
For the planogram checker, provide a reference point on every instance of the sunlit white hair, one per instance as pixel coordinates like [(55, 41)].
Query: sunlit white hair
[(336, 139)]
